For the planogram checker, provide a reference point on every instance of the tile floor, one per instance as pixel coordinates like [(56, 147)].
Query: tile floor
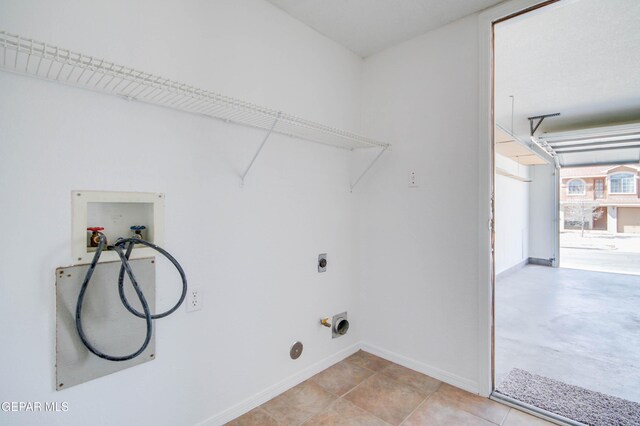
[(369, 391)]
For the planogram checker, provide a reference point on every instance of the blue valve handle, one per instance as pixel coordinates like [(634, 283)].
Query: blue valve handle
[(137, 227)]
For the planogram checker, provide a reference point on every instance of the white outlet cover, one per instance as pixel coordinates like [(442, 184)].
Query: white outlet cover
[(193, 299)]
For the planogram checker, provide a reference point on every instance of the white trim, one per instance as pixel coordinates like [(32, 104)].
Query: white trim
[(510, 270), (297, 378), (629, 166), (584, 176), (635, 183), (485, 171), (280, 387), (534, 411), (420, 367)]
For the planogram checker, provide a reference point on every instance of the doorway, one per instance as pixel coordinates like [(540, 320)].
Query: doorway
[(564, 339)]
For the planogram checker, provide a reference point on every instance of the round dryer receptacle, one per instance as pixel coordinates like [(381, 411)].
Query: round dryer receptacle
[(341, 326), (296, 350)]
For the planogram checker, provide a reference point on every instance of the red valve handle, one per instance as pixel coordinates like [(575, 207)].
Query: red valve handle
[(95, 229)]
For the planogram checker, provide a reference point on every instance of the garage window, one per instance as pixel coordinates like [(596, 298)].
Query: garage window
[(576, 187), (622, 183)]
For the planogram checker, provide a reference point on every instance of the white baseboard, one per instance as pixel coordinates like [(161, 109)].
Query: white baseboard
[(275, 390), (436, 373), (512, 269), (291, 381)]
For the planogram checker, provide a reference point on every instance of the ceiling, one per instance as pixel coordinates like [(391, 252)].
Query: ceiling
[(369, 26), (579, 58)]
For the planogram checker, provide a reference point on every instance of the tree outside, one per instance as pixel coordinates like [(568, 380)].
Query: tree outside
[(582, 213)]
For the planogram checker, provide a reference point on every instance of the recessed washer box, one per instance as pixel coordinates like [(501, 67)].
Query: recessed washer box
[(116, 212)]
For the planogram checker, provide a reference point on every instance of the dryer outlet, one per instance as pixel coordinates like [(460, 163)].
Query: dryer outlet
[(340, 325)]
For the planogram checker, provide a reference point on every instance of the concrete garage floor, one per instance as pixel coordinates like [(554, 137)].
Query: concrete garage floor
[(579, 327)]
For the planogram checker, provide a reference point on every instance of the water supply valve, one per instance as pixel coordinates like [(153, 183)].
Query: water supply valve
[(94, 239), (137, 231)]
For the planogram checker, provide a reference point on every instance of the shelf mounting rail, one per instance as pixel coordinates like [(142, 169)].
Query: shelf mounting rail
[(41, 60)]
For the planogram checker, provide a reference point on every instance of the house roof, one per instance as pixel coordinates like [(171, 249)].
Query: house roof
[(629, 202), (591, 171)]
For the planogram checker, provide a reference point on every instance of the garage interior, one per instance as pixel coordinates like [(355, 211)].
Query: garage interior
[(567, 145)]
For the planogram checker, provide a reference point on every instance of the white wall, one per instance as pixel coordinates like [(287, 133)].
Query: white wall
[(412, 253), (512, 215), (251, 251), (418, 247), (542, 213)]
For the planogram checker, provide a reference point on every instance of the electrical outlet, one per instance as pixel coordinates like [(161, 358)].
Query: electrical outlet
[(413, 179), (194, 300)]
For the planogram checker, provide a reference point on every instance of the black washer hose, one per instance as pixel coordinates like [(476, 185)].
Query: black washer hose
[(123, 298), (124, 258)]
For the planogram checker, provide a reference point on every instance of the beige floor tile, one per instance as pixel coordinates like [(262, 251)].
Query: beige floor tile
[(255, 417), (341, 377), (385, 398), (401, 374), (344, 413), (474, 404), (438, 411), (298, 404), (518, 418), (367, 360)]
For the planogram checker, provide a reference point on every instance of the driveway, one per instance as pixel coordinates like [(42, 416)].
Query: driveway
[(600, 251)]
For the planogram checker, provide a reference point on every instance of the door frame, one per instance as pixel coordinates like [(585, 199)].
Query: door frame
[(486, 178)]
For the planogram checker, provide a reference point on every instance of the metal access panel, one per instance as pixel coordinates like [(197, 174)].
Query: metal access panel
[(106, 322)]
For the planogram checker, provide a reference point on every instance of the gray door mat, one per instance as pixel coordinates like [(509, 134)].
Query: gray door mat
[(576, 403)]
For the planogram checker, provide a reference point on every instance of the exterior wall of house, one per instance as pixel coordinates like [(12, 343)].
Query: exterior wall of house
[(610, 204), (589, 195)]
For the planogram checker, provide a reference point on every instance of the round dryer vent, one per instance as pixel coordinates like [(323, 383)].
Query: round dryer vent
[(340, 325)]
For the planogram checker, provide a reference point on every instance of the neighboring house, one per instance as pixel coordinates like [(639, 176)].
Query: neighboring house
[(613, 190)]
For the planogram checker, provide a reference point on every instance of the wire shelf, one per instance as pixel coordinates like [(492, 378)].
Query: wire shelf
[(41, 60)]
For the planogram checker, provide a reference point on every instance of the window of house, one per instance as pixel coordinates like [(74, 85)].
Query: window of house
[(599, 188), (576, 187), (622, 183)]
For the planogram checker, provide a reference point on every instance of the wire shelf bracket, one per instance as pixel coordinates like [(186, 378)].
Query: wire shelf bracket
[(44, 61), (377, 157), (264, 141)]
